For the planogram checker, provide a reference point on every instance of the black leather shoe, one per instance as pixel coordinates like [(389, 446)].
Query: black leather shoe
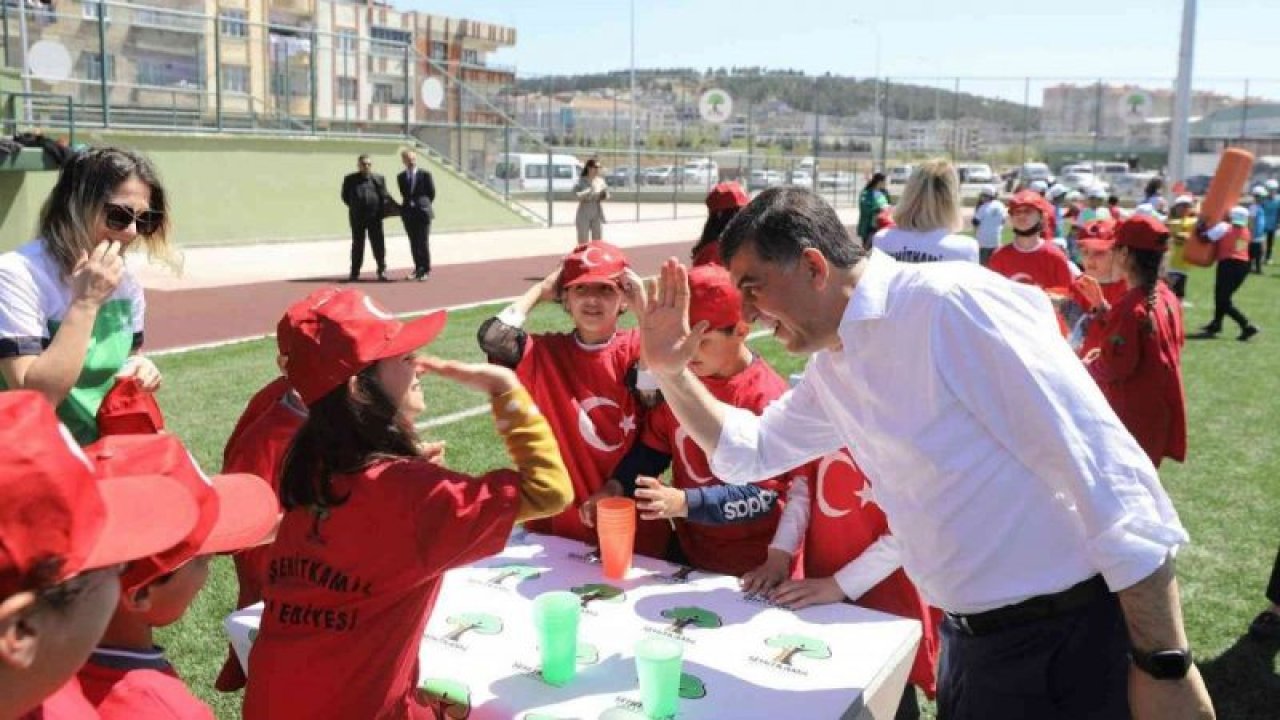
[(353, 277), (382, 276), (1247, 333)]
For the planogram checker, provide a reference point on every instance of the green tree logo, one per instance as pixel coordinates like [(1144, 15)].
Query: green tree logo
[(683, 617), (588, 654), (481, 623), (450, 698), (790, 646), (514, 570), (599, 591), (692, 687), (1135, 101), (715, 100)]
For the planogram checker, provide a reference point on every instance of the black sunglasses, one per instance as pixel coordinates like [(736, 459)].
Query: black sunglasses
[(119, 217)]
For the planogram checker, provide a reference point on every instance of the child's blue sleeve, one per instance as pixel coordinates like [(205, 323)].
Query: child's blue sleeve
[(722, 504)]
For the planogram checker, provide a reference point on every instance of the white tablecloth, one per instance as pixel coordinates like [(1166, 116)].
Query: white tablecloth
[(742, 657)]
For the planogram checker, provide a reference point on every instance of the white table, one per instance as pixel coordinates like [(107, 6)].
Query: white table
[(742, 657)]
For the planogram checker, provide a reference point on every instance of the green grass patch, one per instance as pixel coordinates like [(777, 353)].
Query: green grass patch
[(1228, 493)]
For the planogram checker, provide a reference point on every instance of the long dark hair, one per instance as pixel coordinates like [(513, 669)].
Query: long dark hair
[(1147, 266), (79, 198), (875, 180), (592, 163), (716, 223), (346, 431), (1154, 186)]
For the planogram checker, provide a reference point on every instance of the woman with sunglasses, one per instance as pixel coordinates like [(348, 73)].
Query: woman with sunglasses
[(70, 310)]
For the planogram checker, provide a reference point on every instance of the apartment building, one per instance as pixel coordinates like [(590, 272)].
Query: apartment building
[(344, 64)]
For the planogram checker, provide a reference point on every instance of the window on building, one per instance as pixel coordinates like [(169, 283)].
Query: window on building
[(388, 93), (234, 23), (389, 41), (294, 82), (93, 9), (167, 71), (235, 79), (347, 41), (93, 66), (470, 56), (348, 89), (439, 50)]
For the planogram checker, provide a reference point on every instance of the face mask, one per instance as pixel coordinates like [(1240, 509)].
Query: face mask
[(1031, 231)]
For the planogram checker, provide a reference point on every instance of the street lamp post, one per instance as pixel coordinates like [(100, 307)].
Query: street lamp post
[(878, 88)]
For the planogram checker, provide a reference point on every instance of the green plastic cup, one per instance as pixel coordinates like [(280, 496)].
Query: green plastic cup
[(556, 614), (658, 662)]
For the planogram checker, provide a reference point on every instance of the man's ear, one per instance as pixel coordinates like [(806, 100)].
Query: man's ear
[(19, 635), (816, 265)]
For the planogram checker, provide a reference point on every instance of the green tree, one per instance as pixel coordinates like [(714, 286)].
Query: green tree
[(482, 623), (791, 645), (598, 591), (450, 698), (514, 570), (683, 617), (715, 100)]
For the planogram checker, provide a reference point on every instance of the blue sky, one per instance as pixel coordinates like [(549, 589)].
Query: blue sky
[(1122, 39)]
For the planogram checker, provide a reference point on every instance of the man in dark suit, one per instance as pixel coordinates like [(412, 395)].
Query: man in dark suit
[(365, 195), (418, 190)]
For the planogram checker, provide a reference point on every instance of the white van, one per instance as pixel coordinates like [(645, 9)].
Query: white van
[(529, 171)]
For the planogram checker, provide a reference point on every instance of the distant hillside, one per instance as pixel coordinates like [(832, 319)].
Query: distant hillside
[(827, 94)]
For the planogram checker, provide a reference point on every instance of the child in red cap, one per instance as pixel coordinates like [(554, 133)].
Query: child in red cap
[(1101, 285), (63, 535), (128, 677), (257, 446), (723, 202), (371, 524), (1030, 258), (720, 528), (1138, 364), (583, 380)]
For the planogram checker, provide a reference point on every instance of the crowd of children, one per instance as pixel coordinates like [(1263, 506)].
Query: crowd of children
[(102, 545)]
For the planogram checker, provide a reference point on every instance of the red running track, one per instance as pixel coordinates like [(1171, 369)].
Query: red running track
[(181, 318)]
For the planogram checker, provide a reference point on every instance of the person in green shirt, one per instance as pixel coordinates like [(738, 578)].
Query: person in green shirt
[(71, 312), (874, 198)]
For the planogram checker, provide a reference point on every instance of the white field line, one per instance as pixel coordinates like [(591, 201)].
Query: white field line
[(471, 412)]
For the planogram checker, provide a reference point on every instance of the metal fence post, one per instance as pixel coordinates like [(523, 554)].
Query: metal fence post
[(315, 81), (1026, 115), (217, 74), (677, 179), (506, 167), (102, 57), (408, 93), (1244, 112), (4, 20), (550, 206), (884, 130), (1097, 119), (955, 121)]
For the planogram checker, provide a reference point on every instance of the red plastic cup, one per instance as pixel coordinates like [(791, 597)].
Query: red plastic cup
[(616, 528)]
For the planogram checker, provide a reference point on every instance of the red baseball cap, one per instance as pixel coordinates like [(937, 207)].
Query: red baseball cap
[(713, 298), (1027, 199), (127, 409), (235, 511), (1098, 235), (595, 262), (287, 328), (52, 505), (1142, 232), (341, 332), (727, 196)]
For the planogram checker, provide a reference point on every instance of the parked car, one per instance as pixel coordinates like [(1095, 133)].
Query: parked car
[(660, 175), (1130, 186), (898, 175), (801, 178), (1032, 171), (530, 171), (975, 173), (702, 171), (835, 180), (620, 177), (1198, 185), (761, 179), (1079, 177)]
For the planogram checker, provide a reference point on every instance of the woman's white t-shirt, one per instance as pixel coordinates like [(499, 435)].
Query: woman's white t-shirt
[(928, 246)]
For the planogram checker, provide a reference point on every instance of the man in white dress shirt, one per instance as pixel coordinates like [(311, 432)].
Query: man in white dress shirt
[(1018, 502)]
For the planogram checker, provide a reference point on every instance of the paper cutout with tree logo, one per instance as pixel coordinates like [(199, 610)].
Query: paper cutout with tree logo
[(600, 592), (790, 646), (449, 698), (514, 570), (588, 654), (479, 623), (688, 616), (692, 687)]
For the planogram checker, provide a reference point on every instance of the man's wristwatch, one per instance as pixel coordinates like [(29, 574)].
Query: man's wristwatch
[(1163, 664)]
